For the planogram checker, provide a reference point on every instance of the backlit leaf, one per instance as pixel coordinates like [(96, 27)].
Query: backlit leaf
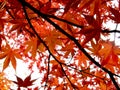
[(24, 83), (6, 62), (13, 61), (3, 55), (109, 54), (31, 46), (53, 39), (116, 14), (67, 43)]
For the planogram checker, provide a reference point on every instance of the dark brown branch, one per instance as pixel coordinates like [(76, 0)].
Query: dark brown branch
[(83, 70), (63, 20), (110, 31), (32, 34), (46, 47), (73, 39), (10, 13), (67, 76), (48, 70), (113, 80)]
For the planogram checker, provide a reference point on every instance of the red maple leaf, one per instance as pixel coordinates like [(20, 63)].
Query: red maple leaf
[(24, 83)]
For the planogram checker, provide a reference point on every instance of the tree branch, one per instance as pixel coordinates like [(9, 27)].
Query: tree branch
[(48, 71), (110, 31), (47, 49), (72, 38), (63, 20)]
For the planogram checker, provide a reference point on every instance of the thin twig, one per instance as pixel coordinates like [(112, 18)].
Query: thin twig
[(48, 70), (45, 45), (24, 3), (110, 31), (10, 13)]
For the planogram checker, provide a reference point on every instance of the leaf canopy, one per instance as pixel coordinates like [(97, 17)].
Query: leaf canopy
[(68, 42)]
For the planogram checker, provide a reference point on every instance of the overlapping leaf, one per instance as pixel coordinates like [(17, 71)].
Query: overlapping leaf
[(48, 8), (52, 39), (82, 59), (71, 4), (56, 69), (109, 54), (95, 47), (68, 49), (93, 5), (31, 46), (93, 30), (116, 14)]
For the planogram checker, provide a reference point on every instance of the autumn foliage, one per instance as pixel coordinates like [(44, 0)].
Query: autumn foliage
[(4, 82), (68, 41)]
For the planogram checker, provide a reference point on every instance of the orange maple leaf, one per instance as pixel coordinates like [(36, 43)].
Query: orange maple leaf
[(10, 56), (31, 46), (52, 39), (109, 54), (82, 59), (68, 49), (56, 69), (95, 47)]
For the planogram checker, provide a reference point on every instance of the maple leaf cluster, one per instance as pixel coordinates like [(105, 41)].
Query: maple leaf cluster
[(66, 40), (4, 82)]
